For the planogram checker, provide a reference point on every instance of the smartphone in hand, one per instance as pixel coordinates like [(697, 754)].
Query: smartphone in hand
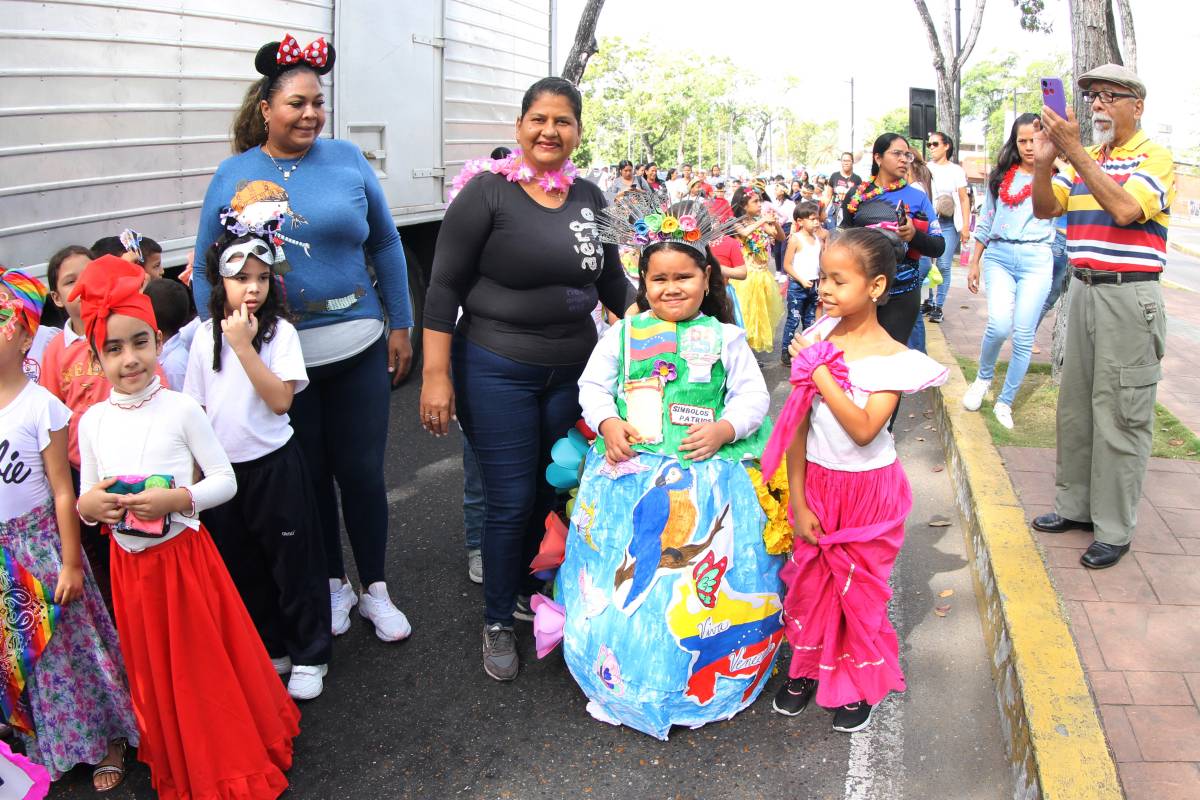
[(1054, 97)]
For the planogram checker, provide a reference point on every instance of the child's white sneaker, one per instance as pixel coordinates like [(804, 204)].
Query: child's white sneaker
[(973, 399), (342, 598), (307, 682), (1003, 412), (390, 623), (282, 665)]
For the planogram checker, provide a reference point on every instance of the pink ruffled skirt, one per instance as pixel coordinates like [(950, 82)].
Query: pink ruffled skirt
[(835, 609)]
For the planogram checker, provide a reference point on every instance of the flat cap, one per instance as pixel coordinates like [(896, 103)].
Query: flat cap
[(1114, 73)]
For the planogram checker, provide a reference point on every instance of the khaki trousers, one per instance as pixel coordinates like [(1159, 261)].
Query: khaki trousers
[(1116, 336)]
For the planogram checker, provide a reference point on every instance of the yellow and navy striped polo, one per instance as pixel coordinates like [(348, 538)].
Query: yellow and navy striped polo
[(1094, 240)]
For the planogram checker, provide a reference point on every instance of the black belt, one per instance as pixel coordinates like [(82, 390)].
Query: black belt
[(1091, 276)]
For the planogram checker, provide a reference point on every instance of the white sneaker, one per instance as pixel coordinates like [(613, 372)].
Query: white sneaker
[(1003, 412), (475, 565), (306, 682), (975, 392), (390, 623), (282, 665), (341, 599)]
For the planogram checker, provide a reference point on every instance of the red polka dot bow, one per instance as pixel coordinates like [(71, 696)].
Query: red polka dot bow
[(317, 52)]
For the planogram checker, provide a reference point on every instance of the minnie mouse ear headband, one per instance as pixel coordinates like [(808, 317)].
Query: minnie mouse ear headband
[(22, 303), (275, 58), (639, 220)]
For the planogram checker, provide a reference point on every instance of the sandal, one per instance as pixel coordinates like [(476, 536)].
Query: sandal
[(103, 769)]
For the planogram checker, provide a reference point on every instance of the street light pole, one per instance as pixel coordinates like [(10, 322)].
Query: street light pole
[(957, 70)]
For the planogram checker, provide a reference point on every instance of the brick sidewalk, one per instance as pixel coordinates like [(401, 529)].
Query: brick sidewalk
[(1137, 625)]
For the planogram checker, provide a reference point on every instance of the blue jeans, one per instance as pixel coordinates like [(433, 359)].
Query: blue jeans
[(945, 263), (916, 340), (1017, 277), (1058, 283), (341, 423), (801, 310), (474, 507), (513, 413)]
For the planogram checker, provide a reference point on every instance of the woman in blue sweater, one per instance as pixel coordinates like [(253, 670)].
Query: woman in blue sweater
[(321, 201)]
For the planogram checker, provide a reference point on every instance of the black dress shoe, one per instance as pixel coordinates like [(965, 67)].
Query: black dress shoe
[(1053, 523), (1101, 555)]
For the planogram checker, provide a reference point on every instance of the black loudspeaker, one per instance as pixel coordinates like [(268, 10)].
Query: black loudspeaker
[(922, 113)]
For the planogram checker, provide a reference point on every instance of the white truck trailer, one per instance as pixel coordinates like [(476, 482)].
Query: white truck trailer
[(115, 113)]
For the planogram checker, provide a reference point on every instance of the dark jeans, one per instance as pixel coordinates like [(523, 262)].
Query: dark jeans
[(801, 311), (898, 318), (916, 340), (473, 505), (341, 423), (513, 413)]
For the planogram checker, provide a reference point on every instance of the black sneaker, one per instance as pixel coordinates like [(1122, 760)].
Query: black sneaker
[(853, 717), (935, 314), (786, 359), (925, 307), (500, 659), (523, 610), (793, 696)]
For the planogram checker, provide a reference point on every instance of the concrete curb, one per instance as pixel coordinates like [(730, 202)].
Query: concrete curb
[(1055, 742), (1187, 251)]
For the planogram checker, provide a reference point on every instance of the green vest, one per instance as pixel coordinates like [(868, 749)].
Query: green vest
[(698, 340)]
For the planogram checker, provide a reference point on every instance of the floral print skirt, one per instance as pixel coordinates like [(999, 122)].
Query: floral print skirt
[(77, 695)]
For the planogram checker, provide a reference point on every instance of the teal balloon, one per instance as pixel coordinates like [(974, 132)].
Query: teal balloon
[(562, 478), (566, 454)]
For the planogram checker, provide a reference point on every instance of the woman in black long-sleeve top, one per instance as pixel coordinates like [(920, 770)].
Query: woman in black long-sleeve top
[(527, 267)]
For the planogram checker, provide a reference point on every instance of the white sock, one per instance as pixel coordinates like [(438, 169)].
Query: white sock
[(378, 590), (335, 584)]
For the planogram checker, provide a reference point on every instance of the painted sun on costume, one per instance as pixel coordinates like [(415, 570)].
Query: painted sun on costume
[(670, 600)]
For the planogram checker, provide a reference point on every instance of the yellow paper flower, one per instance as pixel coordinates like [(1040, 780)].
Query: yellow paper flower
[(670, 224), (774, 499)]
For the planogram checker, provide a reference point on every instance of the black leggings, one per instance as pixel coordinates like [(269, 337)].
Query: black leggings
[(898, 317)]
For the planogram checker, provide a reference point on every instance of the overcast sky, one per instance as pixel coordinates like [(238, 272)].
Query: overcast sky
[(825, 43)]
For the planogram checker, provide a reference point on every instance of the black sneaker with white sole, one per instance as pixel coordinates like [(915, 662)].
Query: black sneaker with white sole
[(936, 314), (853, 717), (794, 696), (523, 610)]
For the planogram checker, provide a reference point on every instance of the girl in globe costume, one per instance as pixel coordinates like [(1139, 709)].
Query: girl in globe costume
[(666, 584)]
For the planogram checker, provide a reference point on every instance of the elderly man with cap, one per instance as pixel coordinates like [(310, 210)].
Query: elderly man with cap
[(1117, 195)]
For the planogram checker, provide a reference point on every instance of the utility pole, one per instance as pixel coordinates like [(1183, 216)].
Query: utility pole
[(851, 147)]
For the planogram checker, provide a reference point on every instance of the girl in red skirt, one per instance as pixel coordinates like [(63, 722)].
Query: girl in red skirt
[(215, 721), (849, 494)]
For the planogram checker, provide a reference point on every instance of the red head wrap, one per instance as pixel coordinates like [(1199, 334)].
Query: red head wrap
[(111, 285)]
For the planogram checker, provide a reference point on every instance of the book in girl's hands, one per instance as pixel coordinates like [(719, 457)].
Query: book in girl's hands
[(131, 524)]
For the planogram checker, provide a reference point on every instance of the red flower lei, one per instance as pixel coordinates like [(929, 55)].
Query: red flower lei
[(859, 197), (1013, 200)]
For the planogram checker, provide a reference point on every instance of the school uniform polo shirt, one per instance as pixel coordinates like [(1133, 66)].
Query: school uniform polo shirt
[(1094, 240)]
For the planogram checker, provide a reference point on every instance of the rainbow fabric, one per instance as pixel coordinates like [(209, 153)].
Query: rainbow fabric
[(30, 291), (30, 616), (649, 336)]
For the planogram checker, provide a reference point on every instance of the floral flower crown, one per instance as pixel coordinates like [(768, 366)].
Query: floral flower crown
[(641, 219)]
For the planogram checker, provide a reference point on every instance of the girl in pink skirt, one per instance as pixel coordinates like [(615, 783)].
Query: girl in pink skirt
[(849, 494)]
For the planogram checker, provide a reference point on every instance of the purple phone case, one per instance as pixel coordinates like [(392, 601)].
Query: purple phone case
[(1054, 96)]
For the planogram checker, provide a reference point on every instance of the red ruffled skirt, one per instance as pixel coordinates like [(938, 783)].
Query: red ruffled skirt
[(835, 609), (216, 722)]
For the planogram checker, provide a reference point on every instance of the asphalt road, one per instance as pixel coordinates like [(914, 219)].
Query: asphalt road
[(419, 719)]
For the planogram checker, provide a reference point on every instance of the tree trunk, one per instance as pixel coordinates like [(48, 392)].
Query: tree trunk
[(585, 42), (1093, 42), (948, 65), (1128, 40)]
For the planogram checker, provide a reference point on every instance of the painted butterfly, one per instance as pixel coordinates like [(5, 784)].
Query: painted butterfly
[(708, 574)]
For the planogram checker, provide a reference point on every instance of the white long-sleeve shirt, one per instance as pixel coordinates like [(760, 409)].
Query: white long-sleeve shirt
[(154, 432), (746, 397)]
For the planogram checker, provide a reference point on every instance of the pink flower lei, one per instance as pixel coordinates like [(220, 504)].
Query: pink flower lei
[(516, 170)]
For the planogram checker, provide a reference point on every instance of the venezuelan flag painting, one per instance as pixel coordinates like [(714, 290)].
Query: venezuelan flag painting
[(649, 337), (29, 617)]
